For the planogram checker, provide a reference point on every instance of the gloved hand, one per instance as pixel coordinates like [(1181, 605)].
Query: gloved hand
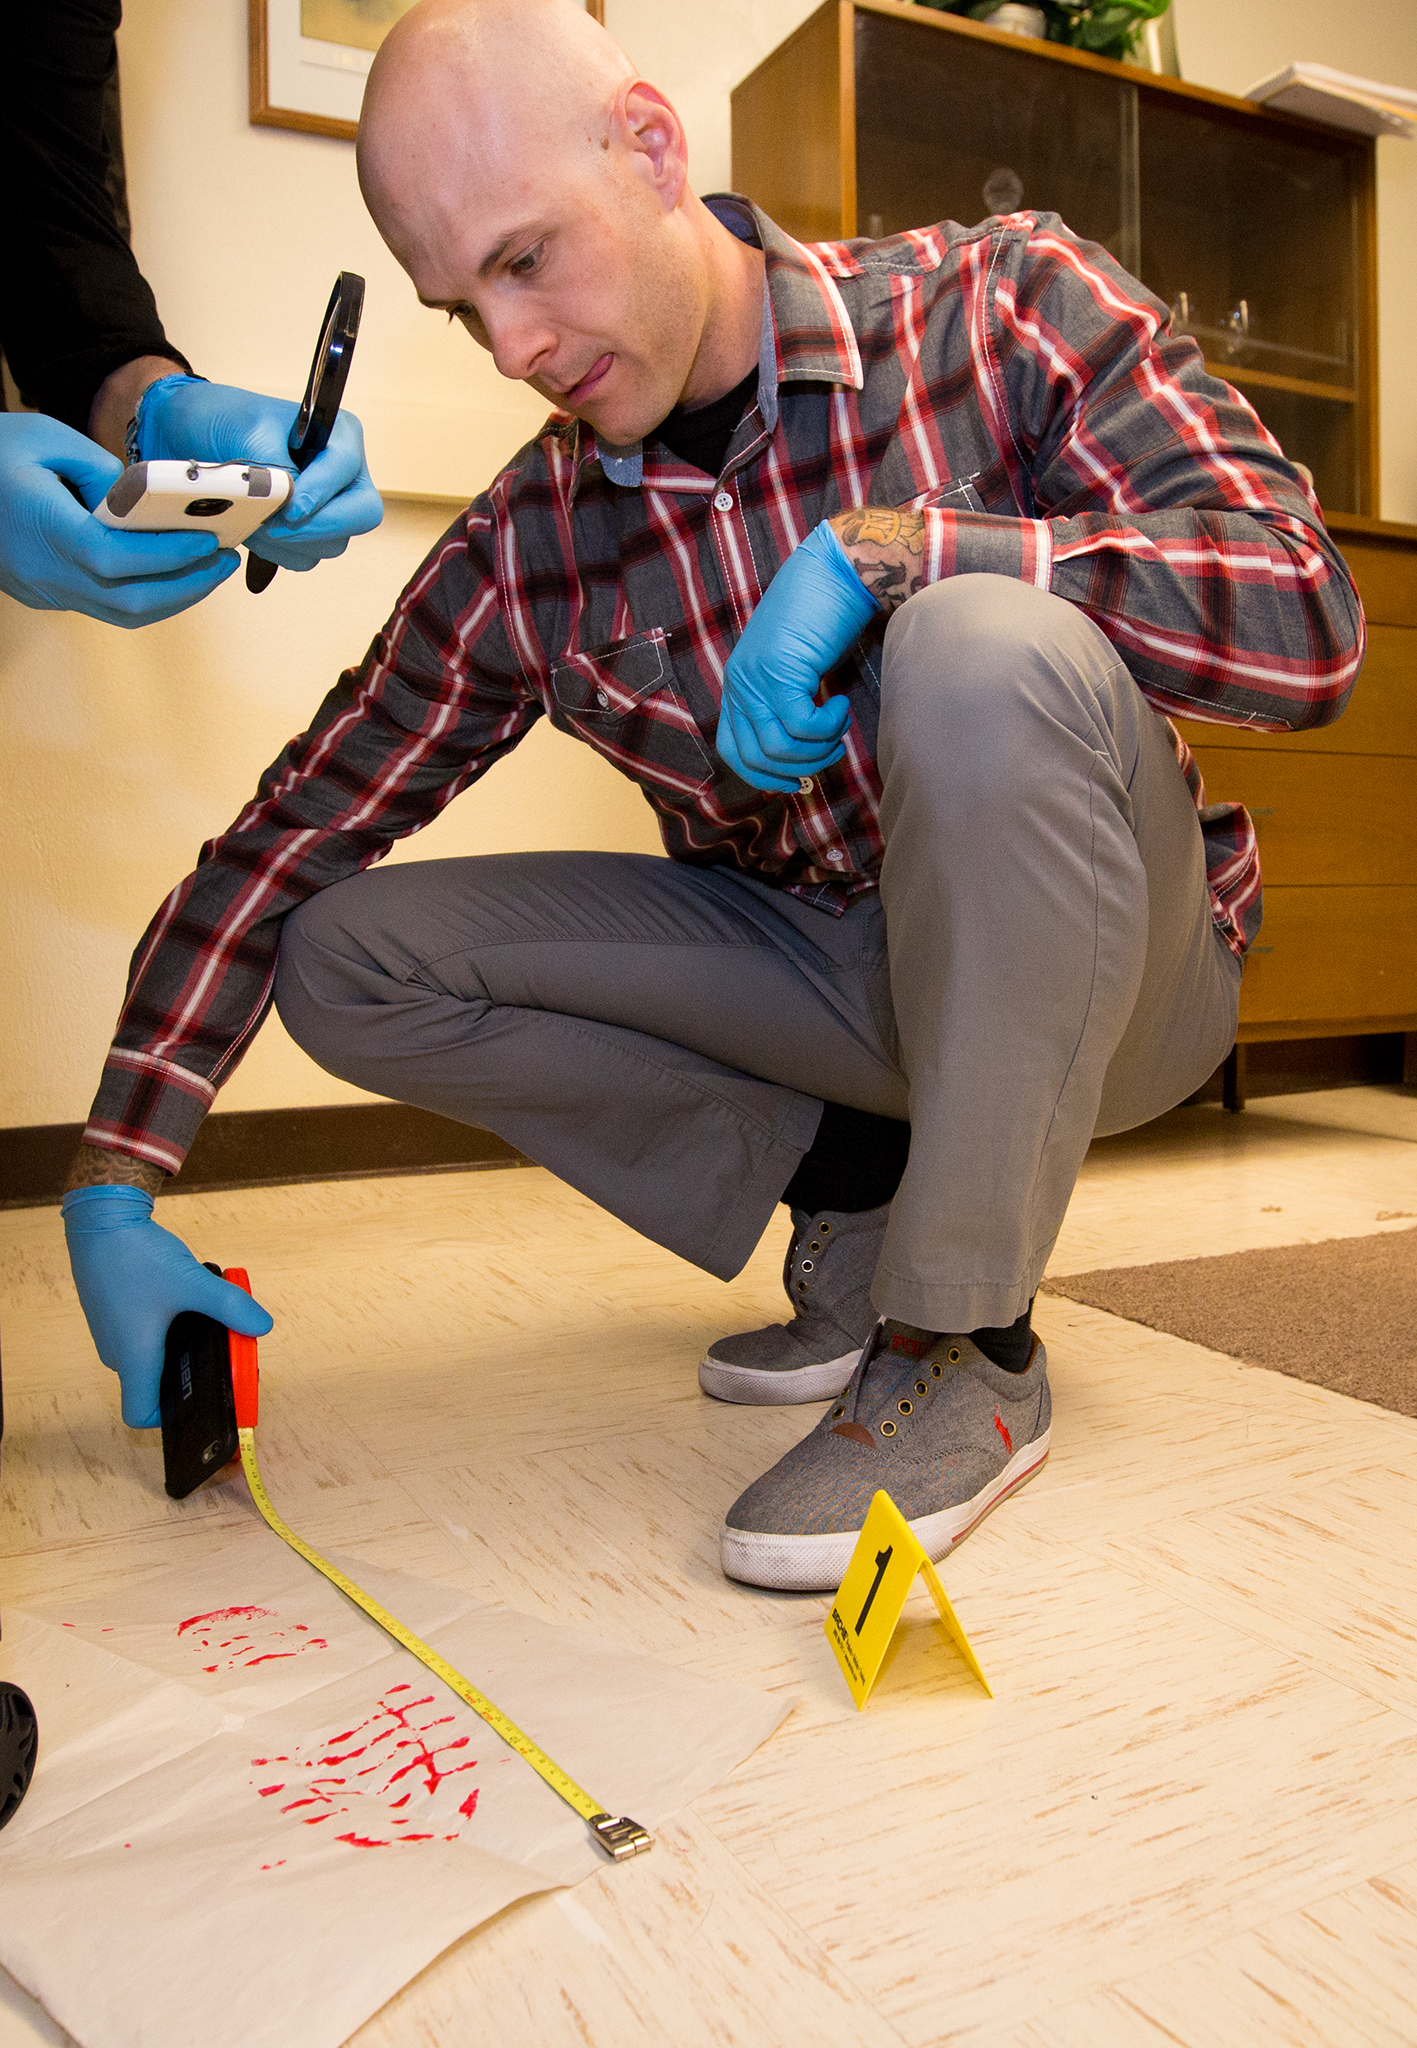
[(54, 556), (133, 1277), (771, 730), (333, 499)]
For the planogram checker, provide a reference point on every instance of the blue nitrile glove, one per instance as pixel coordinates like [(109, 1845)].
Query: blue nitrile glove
[(133, 1277), (771, 730), (55, 556), (184, 418)]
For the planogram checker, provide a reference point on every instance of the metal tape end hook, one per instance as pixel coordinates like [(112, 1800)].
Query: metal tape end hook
[(620, 1839)]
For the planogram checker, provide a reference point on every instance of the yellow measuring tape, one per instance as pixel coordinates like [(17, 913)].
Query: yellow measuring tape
[(618, 1836)]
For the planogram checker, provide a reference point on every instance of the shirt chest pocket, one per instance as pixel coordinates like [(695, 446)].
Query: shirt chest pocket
[(623, 700), (957, 496)]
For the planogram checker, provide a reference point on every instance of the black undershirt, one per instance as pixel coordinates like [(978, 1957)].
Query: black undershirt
[(700, 434)]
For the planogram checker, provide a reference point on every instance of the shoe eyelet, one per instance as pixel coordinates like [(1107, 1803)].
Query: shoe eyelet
[(906, 1407), (887, 1428), (954, 1354), (824, 1227), (815, 1245), (801, 1287), (838, 1411), (935, 1371), (922, 1386), (807, 1266)]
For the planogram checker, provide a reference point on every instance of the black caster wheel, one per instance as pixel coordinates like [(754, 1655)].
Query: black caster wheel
[(19, 1748)]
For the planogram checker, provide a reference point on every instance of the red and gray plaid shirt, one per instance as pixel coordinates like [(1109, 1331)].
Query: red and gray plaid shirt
[(1008, 379)]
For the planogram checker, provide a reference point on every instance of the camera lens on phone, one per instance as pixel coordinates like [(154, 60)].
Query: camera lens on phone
[(207, 508)]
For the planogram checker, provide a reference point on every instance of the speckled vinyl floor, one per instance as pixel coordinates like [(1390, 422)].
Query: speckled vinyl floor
[(1190, 1813)]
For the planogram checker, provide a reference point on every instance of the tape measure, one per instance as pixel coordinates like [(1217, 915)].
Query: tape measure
[(620, 1837)]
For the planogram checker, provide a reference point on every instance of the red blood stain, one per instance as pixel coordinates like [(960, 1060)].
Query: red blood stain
[(1002, 1428), (244, 1649), (389, 1775)]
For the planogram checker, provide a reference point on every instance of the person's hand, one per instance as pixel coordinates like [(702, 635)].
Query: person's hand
[(771, 730), (133, 1277), (55, 556), (182, 418)]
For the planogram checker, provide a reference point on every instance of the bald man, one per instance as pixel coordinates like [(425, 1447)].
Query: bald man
[(875, 565)]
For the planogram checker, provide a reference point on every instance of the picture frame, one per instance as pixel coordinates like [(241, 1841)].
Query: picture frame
[(314, 84)]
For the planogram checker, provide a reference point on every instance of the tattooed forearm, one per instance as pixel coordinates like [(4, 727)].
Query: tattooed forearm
[(96, 1167), (887, 551)]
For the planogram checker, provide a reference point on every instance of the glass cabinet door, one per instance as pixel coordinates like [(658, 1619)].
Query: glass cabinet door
[(1250, 234), (1256, 229), (951, 127)]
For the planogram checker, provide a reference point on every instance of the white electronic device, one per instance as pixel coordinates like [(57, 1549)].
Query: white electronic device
[(229, 499)]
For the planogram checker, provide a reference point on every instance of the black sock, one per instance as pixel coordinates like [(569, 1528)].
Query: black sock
[(1010, 1346), (855, 1162)]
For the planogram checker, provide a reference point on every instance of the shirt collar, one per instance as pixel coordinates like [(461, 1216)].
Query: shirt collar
[(807, 334)]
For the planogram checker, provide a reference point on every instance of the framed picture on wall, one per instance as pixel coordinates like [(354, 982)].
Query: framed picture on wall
[(310, 58)]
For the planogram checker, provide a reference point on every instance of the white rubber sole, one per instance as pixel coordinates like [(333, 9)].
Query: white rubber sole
[(756, 1388), (817, 1564)]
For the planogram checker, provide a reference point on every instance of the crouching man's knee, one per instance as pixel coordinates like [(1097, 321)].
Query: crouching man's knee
[(322, 976), (983, 676)]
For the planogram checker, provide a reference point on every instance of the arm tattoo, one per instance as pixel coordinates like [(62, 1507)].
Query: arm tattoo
[(96, 1167), (886, 549)]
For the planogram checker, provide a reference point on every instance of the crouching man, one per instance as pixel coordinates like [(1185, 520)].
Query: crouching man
[(877, 565)]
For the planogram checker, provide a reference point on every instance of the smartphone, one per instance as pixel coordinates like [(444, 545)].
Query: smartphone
[(196, 1401), (229, 499), (324, 388)]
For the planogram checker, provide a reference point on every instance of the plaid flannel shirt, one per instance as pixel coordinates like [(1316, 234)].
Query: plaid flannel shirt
[(1007, 379)]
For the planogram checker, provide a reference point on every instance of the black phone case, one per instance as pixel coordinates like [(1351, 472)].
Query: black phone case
[(196, 1402)]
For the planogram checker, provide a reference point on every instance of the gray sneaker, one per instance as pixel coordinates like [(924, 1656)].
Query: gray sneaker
[(947, 1435), (827, 1273)]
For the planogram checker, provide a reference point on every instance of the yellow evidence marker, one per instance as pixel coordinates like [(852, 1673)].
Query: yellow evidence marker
[(868, 1604)]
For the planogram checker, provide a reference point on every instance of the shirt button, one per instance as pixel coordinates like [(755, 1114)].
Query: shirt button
[(835, 856), (807, 784), (601, 698), (723, 501)]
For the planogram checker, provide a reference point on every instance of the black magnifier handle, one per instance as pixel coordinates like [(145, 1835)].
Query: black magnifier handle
[(325, 388)]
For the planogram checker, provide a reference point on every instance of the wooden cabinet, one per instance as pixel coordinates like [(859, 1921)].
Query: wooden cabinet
[(1336, 814), (1257, 228)]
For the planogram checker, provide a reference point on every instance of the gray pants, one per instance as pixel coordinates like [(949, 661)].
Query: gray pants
[(1039, 966)]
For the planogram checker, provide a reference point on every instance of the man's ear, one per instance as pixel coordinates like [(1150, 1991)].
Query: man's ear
[(654, 136)]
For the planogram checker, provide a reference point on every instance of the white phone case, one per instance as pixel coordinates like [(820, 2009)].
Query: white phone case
[(229, 499)]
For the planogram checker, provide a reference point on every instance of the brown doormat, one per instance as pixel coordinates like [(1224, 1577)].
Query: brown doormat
[(1341, 1314)]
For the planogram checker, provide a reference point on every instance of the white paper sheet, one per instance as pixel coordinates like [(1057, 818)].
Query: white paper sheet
[(255, 1818), (1323, 94)]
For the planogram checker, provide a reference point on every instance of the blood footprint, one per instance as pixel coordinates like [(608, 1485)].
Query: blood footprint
[(238, 1641), (390, 1777)]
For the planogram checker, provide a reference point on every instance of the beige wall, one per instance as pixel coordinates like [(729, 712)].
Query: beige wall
[(120, 753)]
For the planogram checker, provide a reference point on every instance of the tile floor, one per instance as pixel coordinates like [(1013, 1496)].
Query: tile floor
[(1189, 1815)]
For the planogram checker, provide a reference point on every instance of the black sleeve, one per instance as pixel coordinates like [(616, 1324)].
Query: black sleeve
[(74, 304)]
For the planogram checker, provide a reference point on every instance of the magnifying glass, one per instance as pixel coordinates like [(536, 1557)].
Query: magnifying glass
[(329, 370)]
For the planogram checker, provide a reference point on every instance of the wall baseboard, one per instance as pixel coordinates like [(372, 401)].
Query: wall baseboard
[(264, 1147)]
